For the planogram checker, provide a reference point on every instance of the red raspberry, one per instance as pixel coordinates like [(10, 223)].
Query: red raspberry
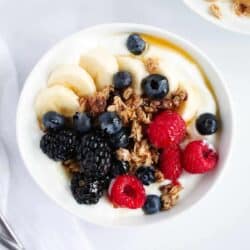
[(199, 157), (167, 128), (127, 191), (170, 162)]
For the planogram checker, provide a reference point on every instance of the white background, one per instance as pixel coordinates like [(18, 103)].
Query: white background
[(222, 219)]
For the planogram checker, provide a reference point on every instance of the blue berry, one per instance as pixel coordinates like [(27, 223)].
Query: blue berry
[(152, 204), (119, 168), (53, 121), (135, 44), (146, 175), (155, 86), (122, 79), (110, 122), (120, 139), (81, 123), (207, 124)]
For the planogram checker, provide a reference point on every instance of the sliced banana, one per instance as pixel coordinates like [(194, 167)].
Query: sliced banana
[(136, 68), (73, 77), (190, 107), (56, 98), (159, 61), (101, 65)]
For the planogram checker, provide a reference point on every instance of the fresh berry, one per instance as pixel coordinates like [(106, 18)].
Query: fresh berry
[(94, 155), (119, 168), (127, 191), (60, 145), (155, 86), (170, 162), (207, 124), (135, 44), (120, 139), (146, 175), (86, 191), (199, 157), (110, 122), (53, 121), (166, 128), (152, 204), (81, 123), (122, 79)]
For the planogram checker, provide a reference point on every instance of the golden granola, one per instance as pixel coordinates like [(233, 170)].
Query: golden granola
[(71, 166), (170, 195), (215, 10), (136, 131), (97, 103), (241, 7), (152, 65), (123, 154), (159, 177)]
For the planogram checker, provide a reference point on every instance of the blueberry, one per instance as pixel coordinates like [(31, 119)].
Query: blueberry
[(155, 86), (152, 204), (81, 123), (119, 168), (146, 175), (110, 122), (135, 44), (122, 79), (120, 139), (207, 124), (53, 121)]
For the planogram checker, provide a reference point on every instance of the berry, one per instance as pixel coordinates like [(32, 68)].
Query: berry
[(121, 139), (81, 123), (207, 124), (155, 86), (59, 146), (127, 191), (86, 191), (94, 156), (53, 121), (119, 168), (135, 44), (110, 122), (146, 175), (170, 162), (152, 204), (199, 157), (122, 79), (166, 128)]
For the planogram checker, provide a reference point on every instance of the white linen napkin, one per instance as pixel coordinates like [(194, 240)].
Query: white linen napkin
[(39, 223)]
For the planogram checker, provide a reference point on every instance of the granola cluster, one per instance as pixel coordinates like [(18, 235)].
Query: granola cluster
[(137, 112), (170, 195)]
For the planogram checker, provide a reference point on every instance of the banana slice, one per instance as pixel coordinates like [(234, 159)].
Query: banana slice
[(190, 107), (136, 68), (159, 61), (56, 98), (74, 78), (101, 65)]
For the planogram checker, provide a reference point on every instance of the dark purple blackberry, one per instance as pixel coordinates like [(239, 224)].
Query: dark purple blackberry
[(94, 156), (86, 191), (119, 168), (59, 146)]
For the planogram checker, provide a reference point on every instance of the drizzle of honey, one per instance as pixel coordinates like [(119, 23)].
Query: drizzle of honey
[(160, 42)]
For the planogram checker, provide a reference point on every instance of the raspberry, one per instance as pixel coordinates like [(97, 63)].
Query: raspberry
[(167, 128), (199, 157), (127, 191), (170, 162)]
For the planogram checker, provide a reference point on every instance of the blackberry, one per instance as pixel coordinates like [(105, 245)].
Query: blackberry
[(59, 146), (86, 191), (94, 155)]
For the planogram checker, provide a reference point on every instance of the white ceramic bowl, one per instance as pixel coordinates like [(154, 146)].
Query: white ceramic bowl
[(50, 176), (229, 21)]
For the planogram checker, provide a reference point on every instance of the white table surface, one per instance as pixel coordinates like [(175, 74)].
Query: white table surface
[(222, 219)]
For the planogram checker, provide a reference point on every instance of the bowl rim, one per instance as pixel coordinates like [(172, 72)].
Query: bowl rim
[(147, 29)]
